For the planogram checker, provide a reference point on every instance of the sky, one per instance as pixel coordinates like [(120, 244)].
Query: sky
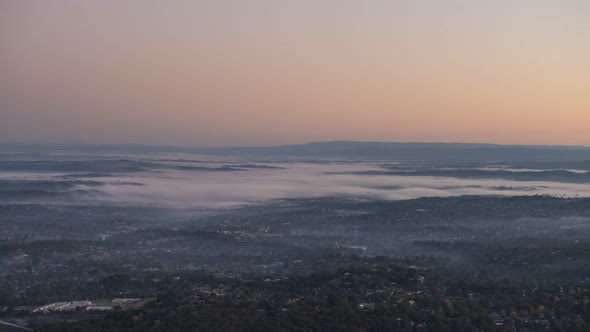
[(268, 72)]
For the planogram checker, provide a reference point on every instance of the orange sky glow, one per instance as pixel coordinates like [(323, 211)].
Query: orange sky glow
[(266, 72)]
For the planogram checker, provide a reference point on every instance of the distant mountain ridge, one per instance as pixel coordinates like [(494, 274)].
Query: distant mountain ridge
[(358, 150)]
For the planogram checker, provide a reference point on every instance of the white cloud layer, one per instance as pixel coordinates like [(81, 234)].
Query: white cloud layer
[(205, 189)]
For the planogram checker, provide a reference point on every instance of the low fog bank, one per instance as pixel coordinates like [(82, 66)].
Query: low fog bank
[(198, 181)]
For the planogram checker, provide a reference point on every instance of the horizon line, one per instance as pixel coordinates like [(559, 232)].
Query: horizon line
[(82, 144)]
